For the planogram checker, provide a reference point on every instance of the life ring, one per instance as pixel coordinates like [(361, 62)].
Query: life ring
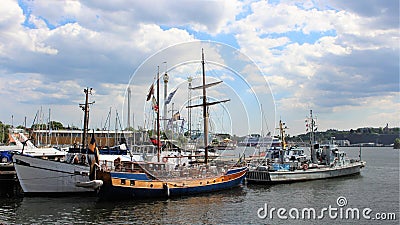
[(305, 166), (165, 159)]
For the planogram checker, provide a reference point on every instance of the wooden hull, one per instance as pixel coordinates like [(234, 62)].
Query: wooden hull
[(124, 187), (303, 175)]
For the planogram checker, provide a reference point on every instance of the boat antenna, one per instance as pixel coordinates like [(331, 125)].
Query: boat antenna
[(312, 138)]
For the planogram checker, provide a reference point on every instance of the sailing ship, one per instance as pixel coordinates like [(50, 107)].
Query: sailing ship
[(123, 180), (327, 161)]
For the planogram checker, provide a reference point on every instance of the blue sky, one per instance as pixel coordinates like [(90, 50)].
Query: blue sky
[(339, 58)]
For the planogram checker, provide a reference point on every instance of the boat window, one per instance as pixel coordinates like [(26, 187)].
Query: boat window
[(122, 181), (132, 182)]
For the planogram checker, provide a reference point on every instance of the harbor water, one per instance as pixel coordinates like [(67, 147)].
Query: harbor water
[(375, 192)]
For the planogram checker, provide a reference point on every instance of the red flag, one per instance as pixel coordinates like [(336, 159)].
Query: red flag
[(155, 141), (155, 105)]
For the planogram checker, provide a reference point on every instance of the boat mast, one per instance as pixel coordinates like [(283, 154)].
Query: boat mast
[(158, 114), (189, 109), (205, 105), (205, 113), (85, 108), (283, 140), (312, 138), (129, 108)]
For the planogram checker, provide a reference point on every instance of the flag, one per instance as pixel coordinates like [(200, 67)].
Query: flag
[(155, 105), (170, 97), (177, 116), (151, 92), (155, 141)]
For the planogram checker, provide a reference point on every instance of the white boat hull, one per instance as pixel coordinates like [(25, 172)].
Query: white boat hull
[(46, 176), (303, 175)]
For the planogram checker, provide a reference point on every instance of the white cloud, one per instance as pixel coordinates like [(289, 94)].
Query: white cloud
[(312, 53)]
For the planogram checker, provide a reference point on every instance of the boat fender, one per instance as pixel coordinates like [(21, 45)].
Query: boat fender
[(166, 188), (165, 159), (305, 167)]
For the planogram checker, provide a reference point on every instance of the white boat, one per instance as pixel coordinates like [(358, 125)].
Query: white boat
[(41, 175), (38, 175), (292, 165), (25, 146), (295, 171)]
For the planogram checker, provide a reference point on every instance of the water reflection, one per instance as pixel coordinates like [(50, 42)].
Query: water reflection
[(192, 209), (377, 187)]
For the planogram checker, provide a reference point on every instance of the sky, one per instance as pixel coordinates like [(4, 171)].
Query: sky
[(338, 58)]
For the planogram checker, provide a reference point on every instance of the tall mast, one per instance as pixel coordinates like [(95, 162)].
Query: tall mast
[(189, 109), (158, 114), (165, 78), (205, 113), (129, 108), (50, 128), (85, 108), (205, 105)]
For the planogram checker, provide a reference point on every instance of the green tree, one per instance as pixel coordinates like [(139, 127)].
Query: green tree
[(396, 143), (39, 126), (4, 132), (55, 125)]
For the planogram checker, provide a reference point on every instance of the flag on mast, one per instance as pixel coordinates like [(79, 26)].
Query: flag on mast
[(170, 96), (177, 116), (151, 92), (155, 105)]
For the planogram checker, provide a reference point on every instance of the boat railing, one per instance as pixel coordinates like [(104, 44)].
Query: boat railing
[(144, 149), (189, 173)]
